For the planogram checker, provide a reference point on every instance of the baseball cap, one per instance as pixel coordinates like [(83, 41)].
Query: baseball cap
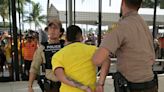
[(56, 23)]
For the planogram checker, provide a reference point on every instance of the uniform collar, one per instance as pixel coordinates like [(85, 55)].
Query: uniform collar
[(130, 13)]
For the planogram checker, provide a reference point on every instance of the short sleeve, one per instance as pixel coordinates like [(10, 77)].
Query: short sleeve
[(113, 40), (57, 60), (37, 60), (93, 49)]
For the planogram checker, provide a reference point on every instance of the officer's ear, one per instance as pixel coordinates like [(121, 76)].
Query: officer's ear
[(62, 30), (81, 38), (120, 12)]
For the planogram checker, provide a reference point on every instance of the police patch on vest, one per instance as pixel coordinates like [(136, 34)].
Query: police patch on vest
[(52, 48), (49, 50)]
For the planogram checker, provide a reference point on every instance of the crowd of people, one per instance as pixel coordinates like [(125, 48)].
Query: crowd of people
[(26, 48), (159, 46), (70, 64)]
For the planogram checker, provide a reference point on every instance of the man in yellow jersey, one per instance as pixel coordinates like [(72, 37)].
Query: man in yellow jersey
[(72, 64)]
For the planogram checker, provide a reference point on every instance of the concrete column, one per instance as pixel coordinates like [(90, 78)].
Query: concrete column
[(69, 5)]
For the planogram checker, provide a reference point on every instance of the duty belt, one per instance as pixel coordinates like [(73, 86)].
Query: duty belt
[(144, 85)]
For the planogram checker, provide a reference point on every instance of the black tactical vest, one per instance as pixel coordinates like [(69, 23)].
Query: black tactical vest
[(49, 50)]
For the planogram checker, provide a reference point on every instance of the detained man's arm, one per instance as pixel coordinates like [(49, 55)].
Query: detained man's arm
[(103, 73), (100, 56), (59, 72)]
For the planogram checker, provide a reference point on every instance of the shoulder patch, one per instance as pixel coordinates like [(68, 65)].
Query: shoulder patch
[(111, 28)]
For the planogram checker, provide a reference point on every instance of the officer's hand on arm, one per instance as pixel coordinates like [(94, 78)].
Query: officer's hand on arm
[(59, 72)]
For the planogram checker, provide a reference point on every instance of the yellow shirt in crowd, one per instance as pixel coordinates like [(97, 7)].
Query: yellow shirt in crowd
[(76, 59)]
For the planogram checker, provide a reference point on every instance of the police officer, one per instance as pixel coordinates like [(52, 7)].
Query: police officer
[(43, 55), (132, 43)]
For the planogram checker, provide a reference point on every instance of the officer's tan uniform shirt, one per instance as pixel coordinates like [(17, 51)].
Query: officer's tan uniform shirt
[(38, 59), (132, 42)]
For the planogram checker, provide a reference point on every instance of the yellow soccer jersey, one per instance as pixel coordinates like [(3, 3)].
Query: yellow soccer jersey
[(76, 59)]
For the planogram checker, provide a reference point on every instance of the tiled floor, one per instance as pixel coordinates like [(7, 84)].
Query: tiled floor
[(17, 87), (22, 86)]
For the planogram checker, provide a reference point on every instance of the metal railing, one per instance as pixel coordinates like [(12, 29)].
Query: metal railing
[(113, 66)]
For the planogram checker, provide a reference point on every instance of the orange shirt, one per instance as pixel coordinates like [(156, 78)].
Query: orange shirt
[(29, 49), (161, 40)]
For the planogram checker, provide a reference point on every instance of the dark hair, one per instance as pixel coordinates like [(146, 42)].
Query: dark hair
[(62, 32), (46, 29), (135, 4), (73, 33)]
